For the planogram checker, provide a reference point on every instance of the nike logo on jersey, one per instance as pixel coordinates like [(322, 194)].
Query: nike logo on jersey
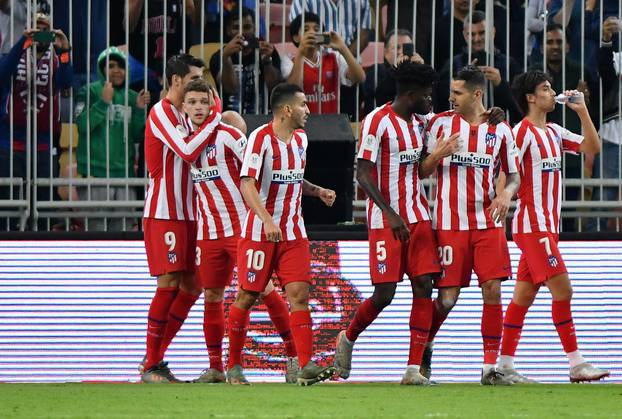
[(410, 156), (477, 160), (552, 164), (286, 177)]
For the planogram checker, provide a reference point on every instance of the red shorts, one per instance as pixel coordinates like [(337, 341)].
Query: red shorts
[(215, 260), (540, 259), (170, 245), (461, 252), (390, 259), (289, 260)]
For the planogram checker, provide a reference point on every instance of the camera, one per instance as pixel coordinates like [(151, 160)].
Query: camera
[(252, 43), (45, 37), (408, 49), (323, 38)]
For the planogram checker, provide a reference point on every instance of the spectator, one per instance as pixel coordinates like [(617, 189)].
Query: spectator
[(338, 68), (212, 17), (157, 20), (102, 129), (554, 46), (442, 41), (53, 73), (610, 70), (343, 17), (384, 90), (240, 36), (19, 23), (591, 26), (499, 75), (536, 14)]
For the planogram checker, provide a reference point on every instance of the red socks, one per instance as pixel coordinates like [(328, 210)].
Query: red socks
[(302, 330), (279, 314), (512, 328), (177, 315), (238, 324), (156, 323), (492, 328), (438, 318), (365, 315), (420, 321), (562, 318), (214, 331)]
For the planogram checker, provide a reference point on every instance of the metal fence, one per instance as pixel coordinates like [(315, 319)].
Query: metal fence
[(71, 161)]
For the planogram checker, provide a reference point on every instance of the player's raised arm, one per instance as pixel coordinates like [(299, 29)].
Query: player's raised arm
[(188, 147)]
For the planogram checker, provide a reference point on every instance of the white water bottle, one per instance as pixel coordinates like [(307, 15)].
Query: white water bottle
[(576, 97)]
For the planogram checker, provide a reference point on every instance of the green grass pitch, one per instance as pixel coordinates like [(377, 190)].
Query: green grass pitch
[(320, 401)]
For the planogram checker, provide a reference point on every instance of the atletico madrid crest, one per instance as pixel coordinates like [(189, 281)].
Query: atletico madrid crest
[(211, 151), (250, 277), (172, 257), (382, 268), (553, 261), (491, 139)]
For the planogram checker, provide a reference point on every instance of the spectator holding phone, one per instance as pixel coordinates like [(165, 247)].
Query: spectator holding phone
[(321, 65), (53, 73), (397, 47), (240, 37)]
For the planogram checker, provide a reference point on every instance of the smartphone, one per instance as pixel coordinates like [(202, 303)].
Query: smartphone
[(252, 43), (323, 38), (45, 37), (408, 49)]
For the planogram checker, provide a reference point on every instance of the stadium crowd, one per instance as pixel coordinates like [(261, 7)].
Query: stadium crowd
[(107, 74)]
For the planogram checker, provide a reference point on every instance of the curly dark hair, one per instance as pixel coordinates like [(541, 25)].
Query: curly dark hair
[(525, 84), (410, 76)]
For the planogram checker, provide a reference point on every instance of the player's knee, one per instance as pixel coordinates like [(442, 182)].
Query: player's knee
[(422, 286), (245, 299), (213, 295), (383, 295), (491, 292), (446, 303)]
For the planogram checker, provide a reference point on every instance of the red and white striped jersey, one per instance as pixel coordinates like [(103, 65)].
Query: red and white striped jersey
[(395, 145), (278, 168), (216, 177), (465, 184), (540, 150), (168, 149)]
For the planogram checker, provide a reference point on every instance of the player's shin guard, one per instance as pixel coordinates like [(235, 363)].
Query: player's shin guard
[(365, 315), (279, 314), (492, 328), (302, 330), (238, 325), (562, 318), (420, 322), (214, 331), (156, 323), (438, 318), (512, 328), (176, 317)]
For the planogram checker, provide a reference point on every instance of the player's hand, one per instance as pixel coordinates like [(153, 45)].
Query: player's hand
[(500, 206), (445, 147), (492, 74), (143, 99), (495, 115), (327, 196), (584, 88), (234, 46), (215, 102), (578, 106), (107, 92), (273, 232), (398, 226)]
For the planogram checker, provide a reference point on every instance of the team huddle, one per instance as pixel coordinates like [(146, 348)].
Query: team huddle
[(217, 201)]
